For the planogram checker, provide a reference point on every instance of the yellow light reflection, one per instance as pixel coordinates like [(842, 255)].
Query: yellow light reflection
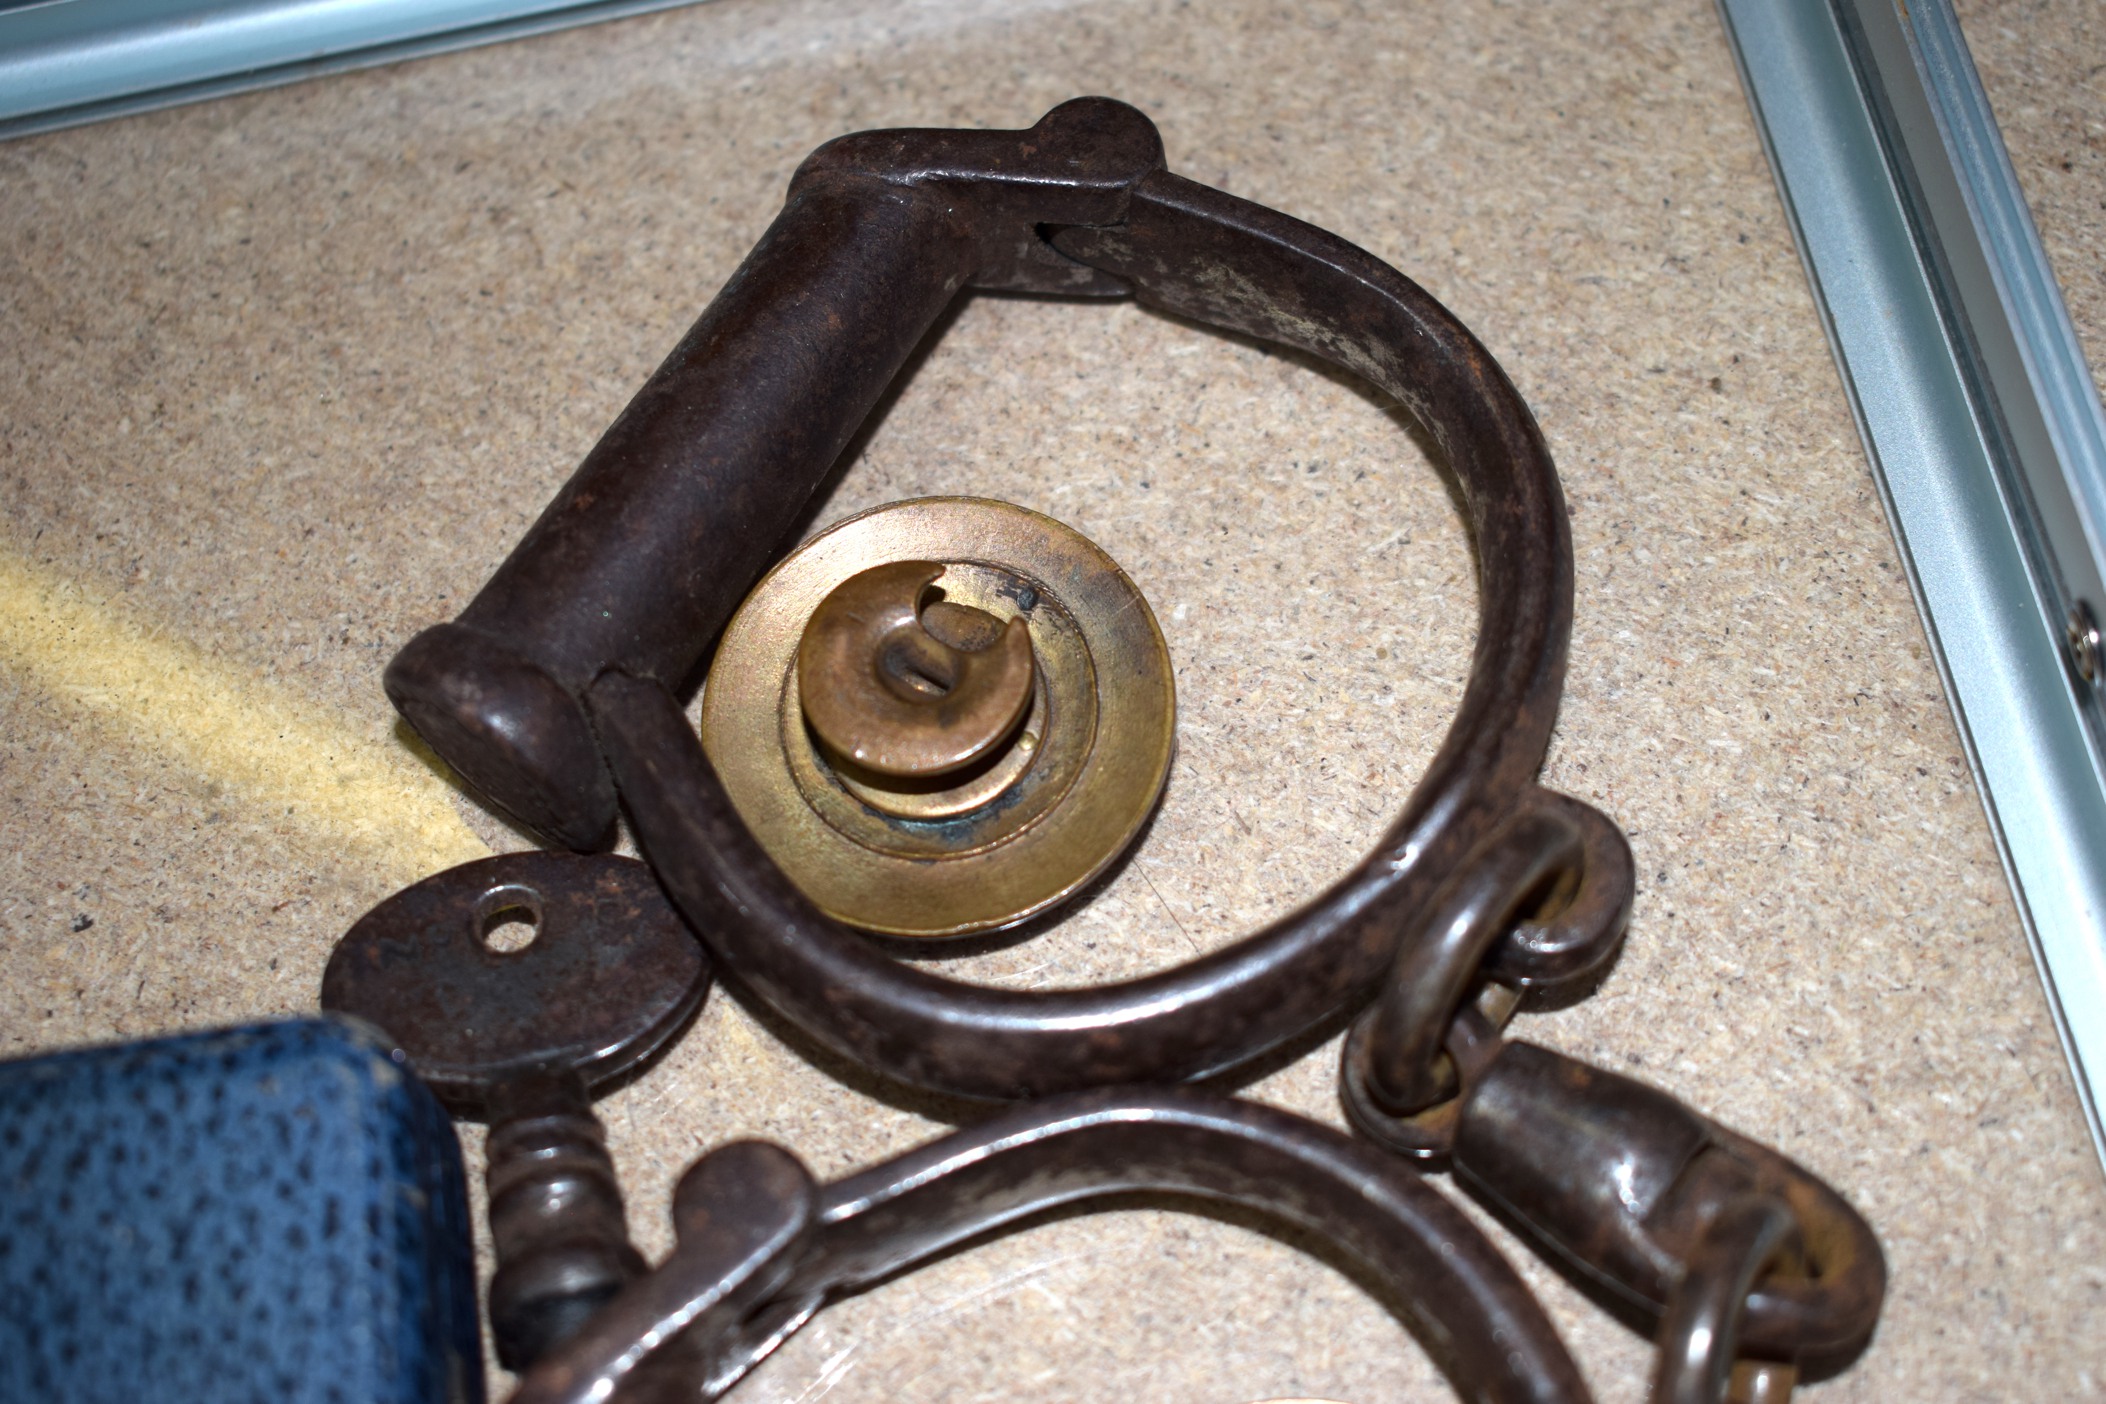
[(334, 781)]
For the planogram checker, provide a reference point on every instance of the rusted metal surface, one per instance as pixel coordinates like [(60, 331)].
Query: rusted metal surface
[(1211, 256), (1539, 858), (1623, 1182), (1761, 1382), (1485, 888), (610, 975), (558, 1228), (1729, 1245), (521, 1038), (762, 1249), (1700, 1327)]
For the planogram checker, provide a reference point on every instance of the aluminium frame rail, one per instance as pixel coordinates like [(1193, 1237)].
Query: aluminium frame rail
[(66, 62), (1982, 424)]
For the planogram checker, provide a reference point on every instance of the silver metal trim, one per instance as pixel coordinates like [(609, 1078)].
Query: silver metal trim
[(1980, 419), (70, 62)]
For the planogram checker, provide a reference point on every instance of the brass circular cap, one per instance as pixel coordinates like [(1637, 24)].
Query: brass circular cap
[(1051, 652), (887, 692)]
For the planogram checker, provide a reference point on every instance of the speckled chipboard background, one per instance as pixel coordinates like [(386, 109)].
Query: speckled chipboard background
[(286, 375)]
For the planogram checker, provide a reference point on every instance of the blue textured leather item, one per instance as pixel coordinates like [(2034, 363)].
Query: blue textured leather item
[(272, 1213)]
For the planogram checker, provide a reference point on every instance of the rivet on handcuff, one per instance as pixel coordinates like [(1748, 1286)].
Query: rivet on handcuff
[(945, 716)]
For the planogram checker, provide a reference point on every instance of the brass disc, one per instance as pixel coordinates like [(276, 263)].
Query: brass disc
[(1011, 836)]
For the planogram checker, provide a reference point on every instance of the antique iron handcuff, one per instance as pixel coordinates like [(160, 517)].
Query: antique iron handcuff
[(556, 694)]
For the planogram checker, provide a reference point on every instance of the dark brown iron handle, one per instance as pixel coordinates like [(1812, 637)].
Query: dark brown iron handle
[(646, 551), (1460, 1297)]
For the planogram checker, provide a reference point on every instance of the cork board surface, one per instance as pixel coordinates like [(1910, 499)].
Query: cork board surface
[(290, 372)]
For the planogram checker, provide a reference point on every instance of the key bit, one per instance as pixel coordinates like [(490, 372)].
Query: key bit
[(522, 1038)]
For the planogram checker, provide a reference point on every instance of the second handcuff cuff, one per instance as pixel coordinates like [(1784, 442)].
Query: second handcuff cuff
[(557, 691)]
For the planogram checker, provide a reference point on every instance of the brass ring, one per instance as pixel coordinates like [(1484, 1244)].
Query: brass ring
[(1016, 835)]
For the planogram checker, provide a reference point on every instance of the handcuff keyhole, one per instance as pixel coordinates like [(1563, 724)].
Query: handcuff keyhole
[(922, 664), (916, 670)]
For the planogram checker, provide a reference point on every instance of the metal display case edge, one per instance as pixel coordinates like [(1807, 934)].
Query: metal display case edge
[(1982, 423)]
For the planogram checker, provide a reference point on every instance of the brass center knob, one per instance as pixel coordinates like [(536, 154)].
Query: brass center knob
[(906, 691), (942, 716)]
